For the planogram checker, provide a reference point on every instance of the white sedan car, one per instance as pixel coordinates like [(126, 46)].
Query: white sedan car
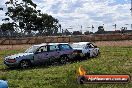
[(86, 49)]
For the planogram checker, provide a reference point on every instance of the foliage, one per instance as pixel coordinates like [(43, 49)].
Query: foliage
[(28, 19), (87, 32), (7, 26), (100, 30), (66, 32), (7, 29), (77, 33)]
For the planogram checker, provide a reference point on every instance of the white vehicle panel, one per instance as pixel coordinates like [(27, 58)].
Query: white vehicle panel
[(84, 46)]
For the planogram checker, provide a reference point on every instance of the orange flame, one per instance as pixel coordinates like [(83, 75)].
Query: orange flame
[(82, 72)]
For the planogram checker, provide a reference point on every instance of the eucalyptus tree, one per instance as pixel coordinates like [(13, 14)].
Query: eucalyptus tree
[(27, 18), (7, 29)]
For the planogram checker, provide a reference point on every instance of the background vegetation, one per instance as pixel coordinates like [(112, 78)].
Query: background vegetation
[(24, 19)]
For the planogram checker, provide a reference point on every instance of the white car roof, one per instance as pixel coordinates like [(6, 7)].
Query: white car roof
[(43, 44), (81, 43)]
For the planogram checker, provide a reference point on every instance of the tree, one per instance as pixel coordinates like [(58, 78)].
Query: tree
[(100, 30), (66, 32), (60, 27), (87, 33), (46, 24), (7, 29), (28, 19), (77, 33), (123, 29)]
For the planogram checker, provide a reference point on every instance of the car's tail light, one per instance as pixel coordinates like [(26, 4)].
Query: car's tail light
[(11, 60)]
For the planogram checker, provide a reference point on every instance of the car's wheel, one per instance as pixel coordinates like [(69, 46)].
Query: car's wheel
[(25, 64), (95, 54), (64, 60), (54, 61)]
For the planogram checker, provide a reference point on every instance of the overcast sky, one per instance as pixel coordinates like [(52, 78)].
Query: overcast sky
[(74, 13)]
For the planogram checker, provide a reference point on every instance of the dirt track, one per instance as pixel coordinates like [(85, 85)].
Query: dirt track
[(98, 43), (114, 43), (13, 47)]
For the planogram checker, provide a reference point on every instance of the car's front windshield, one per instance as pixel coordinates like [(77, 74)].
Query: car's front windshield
[(32, 49)]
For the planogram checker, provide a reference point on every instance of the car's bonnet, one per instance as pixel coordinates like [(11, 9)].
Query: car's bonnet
[(18, 55)]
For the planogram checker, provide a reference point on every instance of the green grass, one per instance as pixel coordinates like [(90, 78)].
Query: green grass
[(113, 60)]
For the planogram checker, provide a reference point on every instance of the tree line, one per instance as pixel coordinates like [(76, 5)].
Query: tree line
[(24, 19)]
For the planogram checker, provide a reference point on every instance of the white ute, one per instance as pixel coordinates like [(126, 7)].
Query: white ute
[(85, 49)]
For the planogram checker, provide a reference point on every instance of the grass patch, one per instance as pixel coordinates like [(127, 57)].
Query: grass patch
[(113, 60)]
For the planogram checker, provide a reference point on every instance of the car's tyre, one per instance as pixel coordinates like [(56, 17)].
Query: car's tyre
[(54, 61), (96, 54), (64, 59), (25, 64)]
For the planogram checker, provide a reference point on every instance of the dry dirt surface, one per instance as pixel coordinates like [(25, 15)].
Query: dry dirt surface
[(114, 43), (98, 43), (14, 47)]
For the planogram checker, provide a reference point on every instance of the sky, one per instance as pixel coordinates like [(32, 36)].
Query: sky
[(76, 13)]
